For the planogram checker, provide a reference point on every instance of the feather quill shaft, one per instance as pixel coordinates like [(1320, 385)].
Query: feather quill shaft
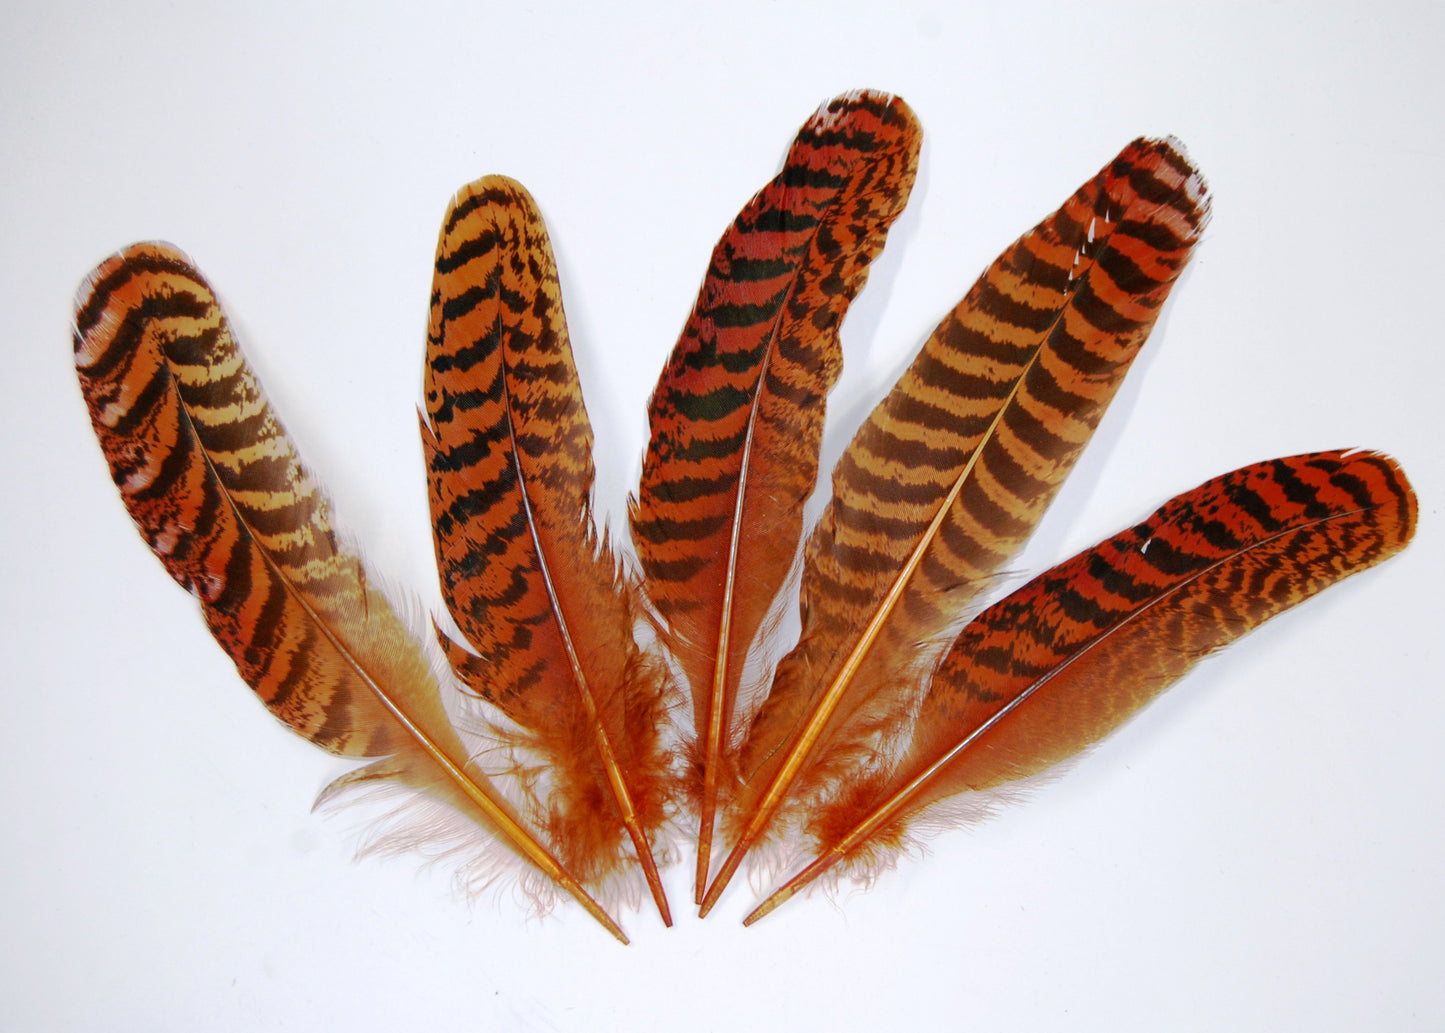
[(736, 418), (546, 612), (1063, 661), (217, 490), (952, 471)]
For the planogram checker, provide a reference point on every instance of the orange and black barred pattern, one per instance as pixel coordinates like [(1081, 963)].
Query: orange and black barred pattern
[(502, 404), (510, 468), (1067, 658), (737, 414), (219, 494), (987, 421), (1064, 660), (547, 616)]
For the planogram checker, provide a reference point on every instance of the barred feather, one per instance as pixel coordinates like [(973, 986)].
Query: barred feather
[(737, 415), (1066, 659), (547, 616)]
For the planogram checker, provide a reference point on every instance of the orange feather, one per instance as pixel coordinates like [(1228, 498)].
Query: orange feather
[(1067, 658), (737, 415), (547, 616)]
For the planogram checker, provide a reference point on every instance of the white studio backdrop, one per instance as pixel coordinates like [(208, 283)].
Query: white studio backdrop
[(1260, 849)]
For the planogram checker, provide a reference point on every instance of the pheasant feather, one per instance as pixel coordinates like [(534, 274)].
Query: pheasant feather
[(737, 414), (547, 617), (1063, 661)]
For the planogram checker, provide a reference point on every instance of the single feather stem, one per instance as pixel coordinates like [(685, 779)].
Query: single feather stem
[(608, 756), (717, 695), (546, 613)]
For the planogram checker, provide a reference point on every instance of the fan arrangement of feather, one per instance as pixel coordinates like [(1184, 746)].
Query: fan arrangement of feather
[(578, 665)]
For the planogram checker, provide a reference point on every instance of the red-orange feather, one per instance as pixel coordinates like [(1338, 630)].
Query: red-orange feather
[(737, 415), (547, 616), (1066, 659)]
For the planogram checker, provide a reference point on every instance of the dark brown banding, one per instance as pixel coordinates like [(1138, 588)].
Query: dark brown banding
[(736, 418)]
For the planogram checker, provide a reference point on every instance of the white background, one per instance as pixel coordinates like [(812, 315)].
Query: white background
[(1260, 850)]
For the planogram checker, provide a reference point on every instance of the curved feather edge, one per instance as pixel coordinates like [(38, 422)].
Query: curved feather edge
[(219, 494), (1063, 661)]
